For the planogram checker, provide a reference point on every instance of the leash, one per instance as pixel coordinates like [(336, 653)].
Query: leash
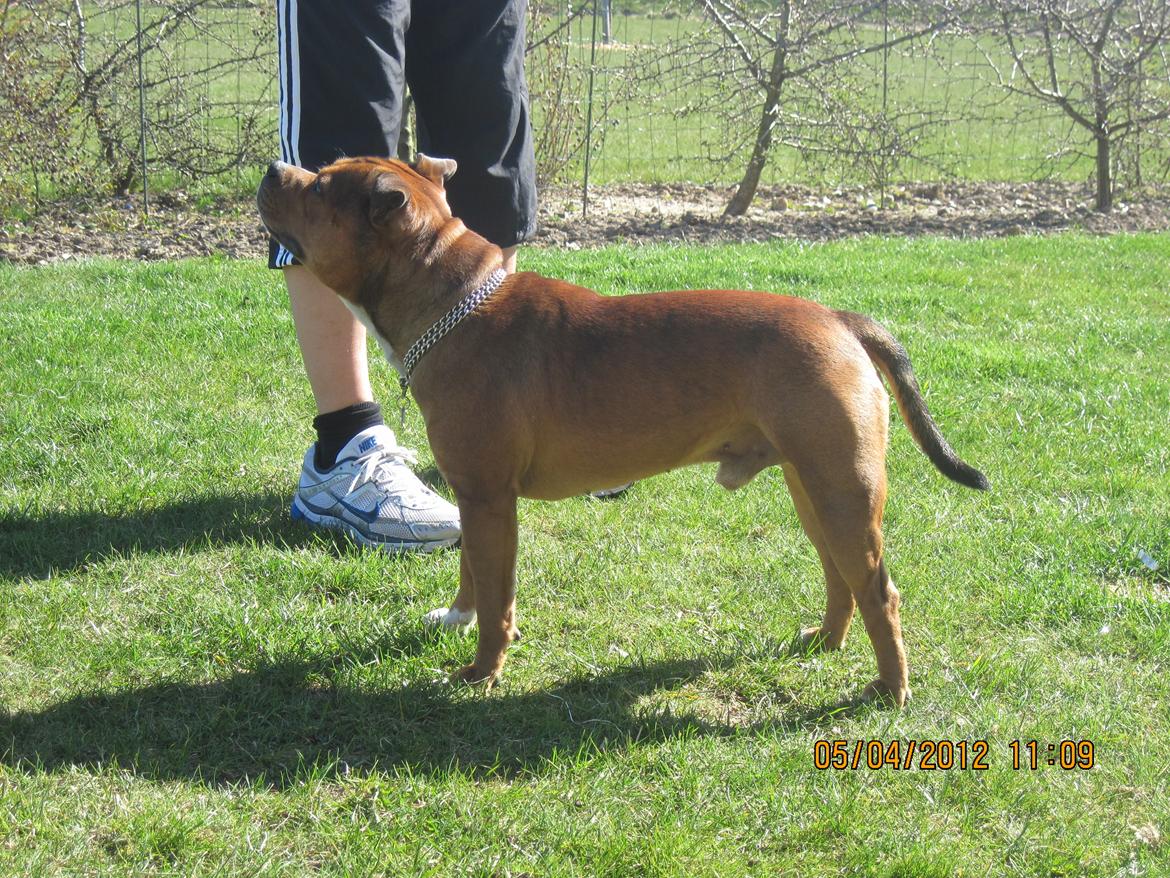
[(440, 328)]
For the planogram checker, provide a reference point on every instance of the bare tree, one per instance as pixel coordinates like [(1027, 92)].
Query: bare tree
[(71, 72), (34, 122), (1102, 62), (792, 75)]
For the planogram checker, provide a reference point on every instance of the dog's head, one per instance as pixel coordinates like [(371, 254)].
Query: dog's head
[(357, 216)]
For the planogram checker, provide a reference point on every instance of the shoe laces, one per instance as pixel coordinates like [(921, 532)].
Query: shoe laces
[(388, 467)]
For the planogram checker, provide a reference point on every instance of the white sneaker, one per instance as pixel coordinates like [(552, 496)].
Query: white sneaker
[(371, 493)]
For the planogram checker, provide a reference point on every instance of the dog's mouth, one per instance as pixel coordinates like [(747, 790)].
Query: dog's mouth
[(288, 242)]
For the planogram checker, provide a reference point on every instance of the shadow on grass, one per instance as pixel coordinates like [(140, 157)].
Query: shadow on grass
[(287, 721), (300, 716), (43, 544)]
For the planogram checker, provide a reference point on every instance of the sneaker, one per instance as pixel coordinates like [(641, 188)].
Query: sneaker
[(372, 494), (611, 493)]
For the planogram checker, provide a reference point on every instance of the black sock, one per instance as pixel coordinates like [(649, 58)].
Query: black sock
[(334, 429)]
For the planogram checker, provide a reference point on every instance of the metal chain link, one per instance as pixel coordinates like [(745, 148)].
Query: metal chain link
[(448, 322)]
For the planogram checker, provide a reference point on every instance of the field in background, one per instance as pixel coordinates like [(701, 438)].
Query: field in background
[(992, 136), (192, 684), (646, 125)]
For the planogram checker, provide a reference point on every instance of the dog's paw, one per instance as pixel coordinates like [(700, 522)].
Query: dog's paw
[(459, 620), (811, 640), (473, 675), (883, 694)]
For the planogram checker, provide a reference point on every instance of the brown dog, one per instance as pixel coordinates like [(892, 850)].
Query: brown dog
[(547, 390)]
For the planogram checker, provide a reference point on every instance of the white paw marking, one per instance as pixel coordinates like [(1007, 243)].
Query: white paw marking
[(460, 620)]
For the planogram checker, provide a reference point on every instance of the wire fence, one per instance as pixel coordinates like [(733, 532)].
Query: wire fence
[(130, 96)]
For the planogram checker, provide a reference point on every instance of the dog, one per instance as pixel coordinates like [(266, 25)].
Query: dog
[(534, 387)]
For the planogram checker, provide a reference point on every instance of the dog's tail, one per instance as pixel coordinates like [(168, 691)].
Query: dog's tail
[(893, 362)]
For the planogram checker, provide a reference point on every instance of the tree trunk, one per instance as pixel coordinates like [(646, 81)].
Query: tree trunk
[(750, 182), (1104, 173), (407, 140), (746, 191), (1101, 131)]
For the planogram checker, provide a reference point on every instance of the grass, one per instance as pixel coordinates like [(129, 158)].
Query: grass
[(192, 684)]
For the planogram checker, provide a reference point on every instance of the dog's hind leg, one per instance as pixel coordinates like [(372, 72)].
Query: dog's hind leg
[(839, 603), (848, 502)]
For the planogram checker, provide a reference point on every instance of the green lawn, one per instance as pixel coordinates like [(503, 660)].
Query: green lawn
[(191, 684)]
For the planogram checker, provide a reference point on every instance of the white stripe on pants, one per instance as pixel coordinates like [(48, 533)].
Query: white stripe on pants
[(288, 44)]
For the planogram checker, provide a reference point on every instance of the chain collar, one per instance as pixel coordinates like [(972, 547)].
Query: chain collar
[(448, 322)]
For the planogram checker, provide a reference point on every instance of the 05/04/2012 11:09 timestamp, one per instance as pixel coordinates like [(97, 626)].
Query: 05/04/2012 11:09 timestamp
[(946, 755)]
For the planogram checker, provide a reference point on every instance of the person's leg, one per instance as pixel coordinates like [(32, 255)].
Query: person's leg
[(341, 91), (332, 343), (465, 65), (333, 349), (356, 477)]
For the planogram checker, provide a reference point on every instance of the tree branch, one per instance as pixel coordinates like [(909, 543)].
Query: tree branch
[(731, 35)]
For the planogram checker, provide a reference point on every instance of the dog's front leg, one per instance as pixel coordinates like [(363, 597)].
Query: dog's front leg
[(489, 556), (461, 614)]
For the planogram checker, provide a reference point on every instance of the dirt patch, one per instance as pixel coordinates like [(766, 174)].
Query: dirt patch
[(693, 214), (179, 227)]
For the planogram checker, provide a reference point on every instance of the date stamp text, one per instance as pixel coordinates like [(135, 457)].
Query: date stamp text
[(947, 755)]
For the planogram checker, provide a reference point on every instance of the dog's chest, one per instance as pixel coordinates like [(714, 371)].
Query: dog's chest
[(363, 317)]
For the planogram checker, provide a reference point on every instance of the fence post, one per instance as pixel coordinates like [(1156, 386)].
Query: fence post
[(589, 116), (885, 99), (142, 110)]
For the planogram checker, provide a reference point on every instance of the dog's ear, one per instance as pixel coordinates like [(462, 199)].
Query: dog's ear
[(388, 196), (437, 171)]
